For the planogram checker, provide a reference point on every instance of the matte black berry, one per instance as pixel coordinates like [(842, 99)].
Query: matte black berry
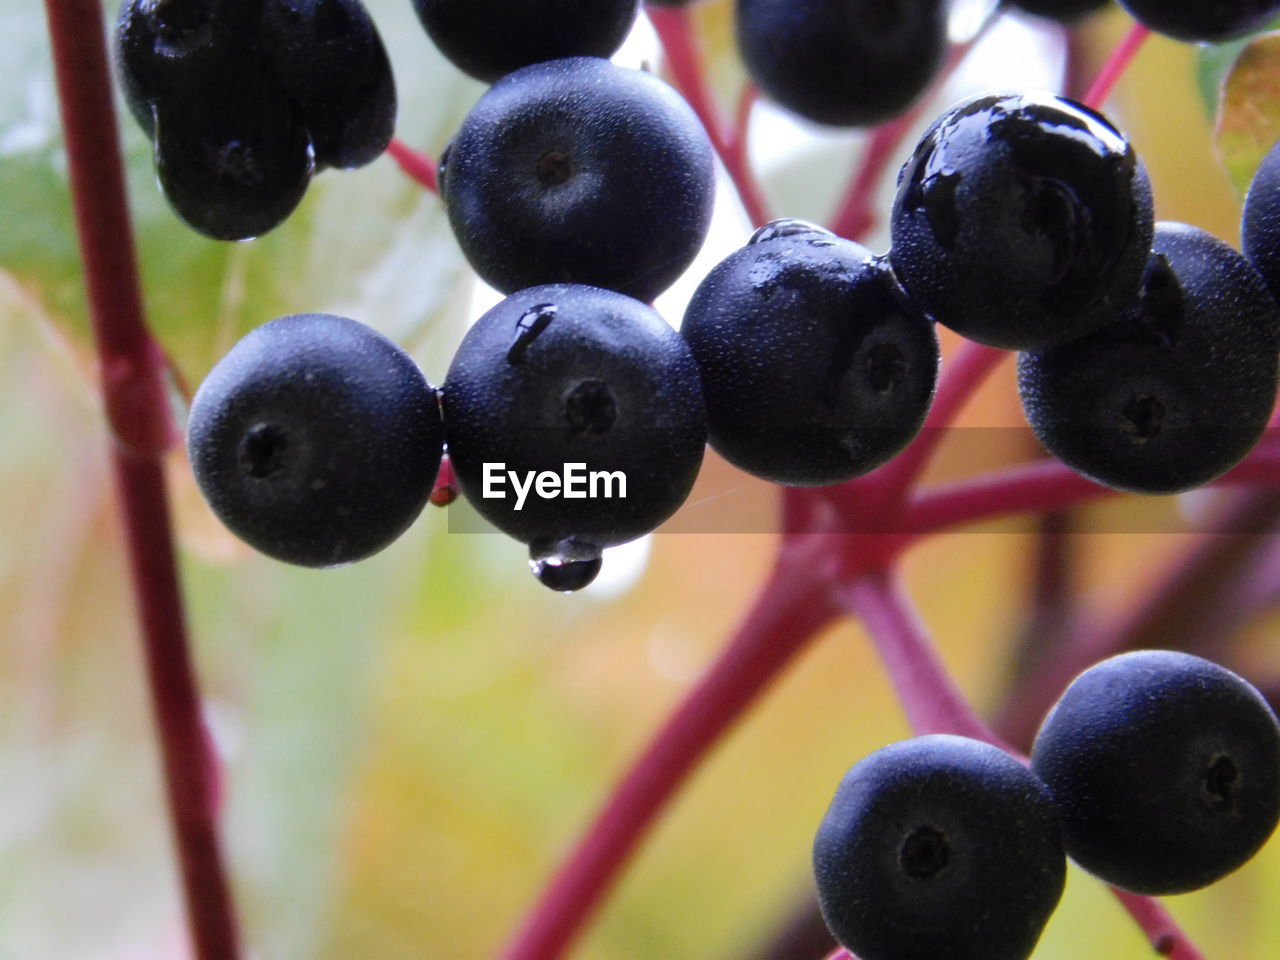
[(1066, 11), (580, 171), (1022, 220), (1177, 390), (815, 365), (331, 61), (490, 38), (1260, 226), (939, 848), (316, 440), (842, 62), (1199, 21), (1166, 768), (563, 374)]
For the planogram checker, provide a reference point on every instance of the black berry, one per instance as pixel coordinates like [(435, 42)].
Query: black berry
[(1166, 768), (316, 440), (490, 38), (563, 374), (842, 62), (815, 366), (1203, 20), (939, 848), (1022, 220), (1260, 225), (580, 171), (1065, 11), (331, 61), (1177, 390)]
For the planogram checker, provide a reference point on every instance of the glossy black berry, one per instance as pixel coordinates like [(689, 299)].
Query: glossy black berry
[(1022, 220), (1166, 768), (331, 61), (815, 365), (1066, 11), (939, 848), (1260, 225), (563, 375), (1177, 390), (316, 440), (580, 171), (490, 38), (1199, 21), (234, 158), (842, 62)]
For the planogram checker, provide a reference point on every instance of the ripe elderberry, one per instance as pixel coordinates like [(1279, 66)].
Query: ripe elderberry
[(1177, 390), (1166, 768), (815, 365), (1203, 21), (565, 374), (842, 62), (490, 38), (315, 439), (580, 171), (1022, 220), (939, 848)]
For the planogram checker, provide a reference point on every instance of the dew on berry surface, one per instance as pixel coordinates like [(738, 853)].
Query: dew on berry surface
[(787, 227), (565, 565), (530, 325)]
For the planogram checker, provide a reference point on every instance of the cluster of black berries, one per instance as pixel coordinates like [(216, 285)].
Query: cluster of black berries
[(246, 99), (1158, 772)]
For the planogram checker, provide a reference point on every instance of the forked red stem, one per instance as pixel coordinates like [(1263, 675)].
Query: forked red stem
[(1115, 66), (137, 410), (787, 613)]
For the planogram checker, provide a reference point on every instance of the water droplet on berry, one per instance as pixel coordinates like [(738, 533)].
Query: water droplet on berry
[(528, 328), (565, 565), (787, 227)]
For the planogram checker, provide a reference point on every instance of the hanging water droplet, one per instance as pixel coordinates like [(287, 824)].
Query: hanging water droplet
[(787, 227), (565, 565), (530, 325)]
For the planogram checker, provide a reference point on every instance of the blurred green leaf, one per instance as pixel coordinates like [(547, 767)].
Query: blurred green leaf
[(1249, 118)]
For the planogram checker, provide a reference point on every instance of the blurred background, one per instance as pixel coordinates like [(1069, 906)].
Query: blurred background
[(412, 743)]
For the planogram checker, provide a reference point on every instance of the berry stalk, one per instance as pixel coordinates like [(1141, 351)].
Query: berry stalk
[(417, 165), (676, 34), (132, 379), (1115, 66), (786, 614)]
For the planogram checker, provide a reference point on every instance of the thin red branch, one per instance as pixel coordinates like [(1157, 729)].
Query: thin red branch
[(1046, 485), (675, 31), (787, 613), (840, 953), (930, 698), (1115, 66), (414, 163), (737, 140), (1166, 937), (137, 409)]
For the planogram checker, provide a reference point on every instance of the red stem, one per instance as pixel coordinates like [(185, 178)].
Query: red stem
[(840, 953), (787, 613), (1046, 485), (675, 31), (1161, 929), (137, 410), (1115, 66), (928, 695), (417, 165)]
